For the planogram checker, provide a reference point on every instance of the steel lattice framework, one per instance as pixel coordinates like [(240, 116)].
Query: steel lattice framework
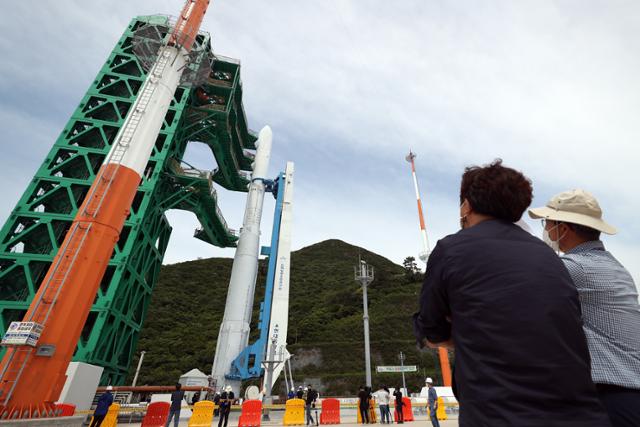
[(36, 227)]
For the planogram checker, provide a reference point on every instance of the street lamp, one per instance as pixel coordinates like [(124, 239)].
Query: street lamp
[(364, 275), (404, 384), (135, 377)]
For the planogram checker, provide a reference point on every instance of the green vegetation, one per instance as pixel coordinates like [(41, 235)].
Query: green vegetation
[(325, 319)]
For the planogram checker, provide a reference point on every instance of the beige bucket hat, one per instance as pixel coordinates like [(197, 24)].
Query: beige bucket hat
[(575, 207)]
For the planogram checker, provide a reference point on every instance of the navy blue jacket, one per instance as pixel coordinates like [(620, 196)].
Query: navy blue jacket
[(521, 356), (176, 400), (226, 400), (433, 398), (103, 403)]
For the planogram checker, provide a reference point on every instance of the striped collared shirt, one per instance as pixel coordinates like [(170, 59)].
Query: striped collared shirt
[(610, 311)]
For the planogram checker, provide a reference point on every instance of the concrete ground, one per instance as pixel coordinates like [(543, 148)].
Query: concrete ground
[(348, 418)]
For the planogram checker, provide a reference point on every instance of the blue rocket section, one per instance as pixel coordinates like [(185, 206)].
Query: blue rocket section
[(249, 363)]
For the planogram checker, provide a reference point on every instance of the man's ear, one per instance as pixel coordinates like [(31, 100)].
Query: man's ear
[(465, 207)]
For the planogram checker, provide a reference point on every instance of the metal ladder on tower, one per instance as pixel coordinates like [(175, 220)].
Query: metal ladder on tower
[(20, 355), (123, 140)]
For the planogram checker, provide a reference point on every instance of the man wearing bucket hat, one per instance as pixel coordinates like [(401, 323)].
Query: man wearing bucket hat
[(507, 305), (572, 223)]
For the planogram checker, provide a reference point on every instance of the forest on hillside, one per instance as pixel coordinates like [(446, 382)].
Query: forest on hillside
[(325, 336)]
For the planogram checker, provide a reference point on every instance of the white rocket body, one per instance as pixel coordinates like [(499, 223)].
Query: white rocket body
[(234, 330), (280, 301)]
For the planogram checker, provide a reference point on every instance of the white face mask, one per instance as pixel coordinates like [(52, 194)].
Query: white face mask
[(553, 244)]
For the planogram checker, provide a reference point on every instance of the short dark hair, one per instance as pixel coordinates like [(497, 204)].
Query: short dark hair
[(496, 190), (178, 386), (584, 232)]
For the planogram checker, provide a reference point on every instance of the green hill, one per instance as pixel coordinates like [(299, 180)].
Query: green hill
[(325, 319)]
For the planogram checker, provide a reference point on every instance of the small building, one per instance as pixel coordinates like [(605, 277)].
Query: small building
[(194, 378)]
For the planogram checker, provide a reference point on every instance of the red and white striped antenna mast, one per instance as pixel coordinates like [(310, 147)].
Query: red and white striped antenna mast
[(423, 230), (443, 355)]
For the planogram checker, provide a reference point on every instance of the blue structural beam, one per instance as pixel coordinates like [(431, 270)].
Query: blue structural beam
[(249, 363)]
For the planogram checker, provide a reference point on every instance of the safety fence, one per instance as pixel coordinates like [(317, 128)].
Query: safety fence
[(328, 411)]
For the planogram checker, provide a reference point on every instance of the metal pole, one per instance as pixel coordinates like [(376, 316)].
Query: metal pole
[(135, 377), (404, 384), (364, 275), (267, 400), (286, 380), (423, 231), (365, 318), (290, 374)]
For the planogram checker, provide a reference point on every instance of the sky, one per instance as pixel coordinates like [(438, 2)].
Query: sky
[(348, 87)]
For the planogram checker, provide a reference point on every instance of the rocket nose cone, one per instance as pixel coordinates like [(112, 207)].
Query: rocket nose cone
[(263, 153), (264, 138), (265, 134)]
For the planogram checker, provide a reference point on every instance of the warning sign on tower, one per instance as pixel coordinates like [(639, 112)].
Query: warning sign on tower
[(22, 333)]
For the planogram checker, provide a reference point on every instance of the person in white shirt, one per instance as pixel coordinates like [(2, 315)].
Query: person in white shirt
[(383, 397)]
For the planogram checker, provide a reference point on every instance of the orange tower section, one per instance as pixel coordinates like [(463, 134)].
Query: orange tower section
[(33, 375), (445, 367)]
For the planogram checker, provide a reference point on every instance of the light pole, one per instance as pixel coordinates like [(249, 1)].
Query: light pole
[(364, 275), (135, 377), (404, 384)]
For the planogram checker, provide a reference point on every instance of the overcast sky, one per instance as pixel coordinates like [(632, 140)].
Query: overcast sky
[(349, 87)]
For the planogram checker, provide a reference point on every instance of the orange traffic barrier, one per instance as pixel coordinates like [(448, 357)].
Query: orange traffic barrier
[(157, 414), (293, 412), (330, 411), (202, 414), (251, 414), (65, 409), (406, 410)]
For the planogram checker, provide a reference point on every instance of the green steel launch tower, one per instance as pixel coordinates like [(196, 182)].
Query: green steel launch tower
[(209, 112)]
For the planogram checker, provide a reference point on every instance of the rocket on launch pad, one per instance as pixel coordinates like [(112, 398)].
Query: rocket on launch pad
[(234, 330)]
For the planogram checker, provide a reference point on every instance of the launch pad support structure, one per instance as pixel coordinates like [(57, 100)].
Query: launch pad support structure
[(83, 247), (32, 374), (274, 313)]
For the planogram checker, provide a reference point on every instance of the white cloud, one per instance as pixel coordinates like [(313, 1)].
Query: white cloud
[(348, 87)]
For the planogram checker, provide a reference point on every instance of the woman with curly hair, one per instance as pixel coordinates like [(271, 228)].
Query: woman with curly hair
[(502, 299)]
